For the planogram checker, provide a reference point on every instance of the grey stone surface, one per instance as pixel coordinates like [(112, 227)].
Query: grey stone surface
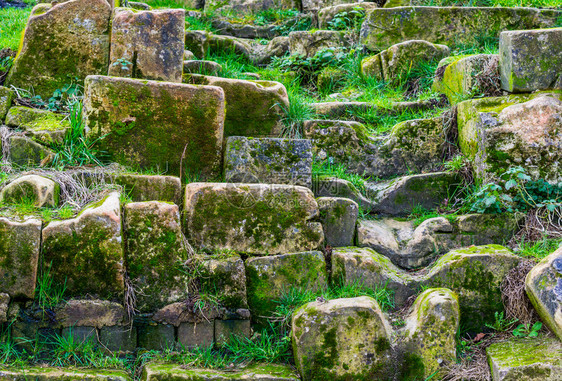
[(155, 336), (339, 217), (192, 335)]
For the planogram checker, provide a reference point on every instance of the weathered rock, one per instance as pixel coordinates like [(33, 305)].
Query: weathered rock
[(188, 56), (201, 67), (268, 219), (27, 153), (334, 110), (411, 246), (86, 253), (327, 14), (536, 359), (338, 217), (531, 60), (42, 125), (513, 131), (147, 44), (240, 46), (150, 187), (544, 288), (178, 313), (197, 42), (465, 77), (4, 303), (307, 43), (20, 244), (38, 190), (262, 54), (184, 127), (226, 28), (249, 6), (58, 374), (315, 5), (398, 60), (341, 339), (90, 313), (270, 372), (192, 335), (226, 329), (269, 278), (224, 276), (268, 160), (62, 42), (155, 251), (334, 187), (155, 337), (121, 339), (6, 97), (255, 108), (431, 330), (384, 27), (401, 195)]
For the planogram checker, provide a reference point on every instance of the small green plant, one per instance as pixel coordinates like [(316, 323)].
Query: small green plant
[(48, 294), (539, 249), (527, 330), (123, 64), (328, 168), (295, 114), (501, 323), (65, 212), (65, 98), (347, 20)]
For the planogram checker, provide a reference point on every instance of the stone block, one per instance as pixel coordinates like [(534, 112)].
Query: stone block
[(155, 336), (225, 329), (39, 190), (338, 217), (119, 338), (191, 335)]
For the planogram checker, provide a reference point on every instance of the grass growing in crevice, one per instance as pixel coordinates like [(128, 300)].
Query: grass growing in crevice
[(327, 168)]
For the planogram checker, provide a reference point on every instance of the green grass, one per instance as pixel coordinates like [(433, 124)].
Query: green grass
[(329, 168), (12, 26), (540, 249), (165, 4)]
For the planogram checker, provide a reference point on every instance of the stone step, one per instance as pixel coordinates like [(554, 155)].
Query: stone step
[(269, 372), (63, 374)]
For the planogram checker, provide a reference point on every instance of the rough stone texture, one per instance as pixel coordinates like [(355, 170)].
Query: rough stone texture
[(384, 27), (268, 160), (308, 43), (39, 190), (544, 288), (397, 61), (177, 313), (513, 131), (62, 42), (341, 339), (431, 330), (4, 303), (315, 5), (150, 187), (267, 219), (226, 329), (147, 44), (80, 334), (411, 246), (341, 109), (25, 152), (86, 252), (226, 28), (192, 335), (155, 337), (270, 277), (6, 97), (269, 372), (249, 6), (327, 14), (196, 41), (325, 186), (535, 359), (338, 217), (201, 67), (531, 60), (465, 77), (155, 251), (42, 125), (185, 125), (255, 108), (58, 374), (263, 54), (401, 195), (20, 244), (120, 339), (224, 276), (412, 146)]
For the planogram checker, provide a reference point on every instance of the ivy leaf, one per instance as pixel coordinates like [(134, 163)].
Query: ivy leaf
[(510, 184)]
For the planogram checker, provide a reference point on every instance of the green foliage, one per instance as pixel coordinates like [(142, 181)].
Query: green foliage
[(68, 350), (539, 249), (203, 22), (12, 26), (347, 20), (48, 294), (329, 168), (526, 330), (296, 113), (501, 323)]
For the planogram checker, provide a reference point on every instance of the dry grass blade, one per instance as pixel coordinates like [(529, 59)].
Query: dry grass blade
[(517, 304)]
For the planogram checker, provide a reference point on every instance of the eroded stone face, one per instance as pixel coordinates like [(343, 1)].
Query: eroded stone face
[(147, 44), (62, 42), (544, 288), (90, 313), (270, 372), (184, 127), (6, 97), (307, 44), (341, 339), (39, 190), (20, 244), (43, 126), (338, 217), (251, 218), (86, 253)]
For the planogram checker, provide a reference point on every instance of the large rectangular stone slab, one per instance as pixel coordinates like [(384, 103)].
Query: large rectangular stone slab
[(149, 124), (531, 60), (270, 372), (251, 218), (384, 27), (58, 374)]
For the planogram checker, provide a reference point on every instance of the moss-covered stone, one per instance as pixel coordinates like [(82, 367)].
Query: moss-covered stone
[(224, 278), (531, 60), (147, 44), (268, 160), (172, 372), (327, 186), (201, 67), (149, 124), (327, 14), (150, 187), (308, 43), (155, 251), (251, 218), (341, 339), (544, 288), (254, 108), (338, 217), (27, 153), (90, 313), (384, 27), (39, 190), (4, 303), (535, 359), (60, 374), (86, 253), (42, 125), (20, 244), (270, 277), (6, 97), (62, 44)]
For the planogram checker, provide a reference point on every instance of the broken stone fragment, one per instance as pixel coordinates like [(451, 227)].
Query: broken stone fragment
[(38, 190), (338, 217)]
